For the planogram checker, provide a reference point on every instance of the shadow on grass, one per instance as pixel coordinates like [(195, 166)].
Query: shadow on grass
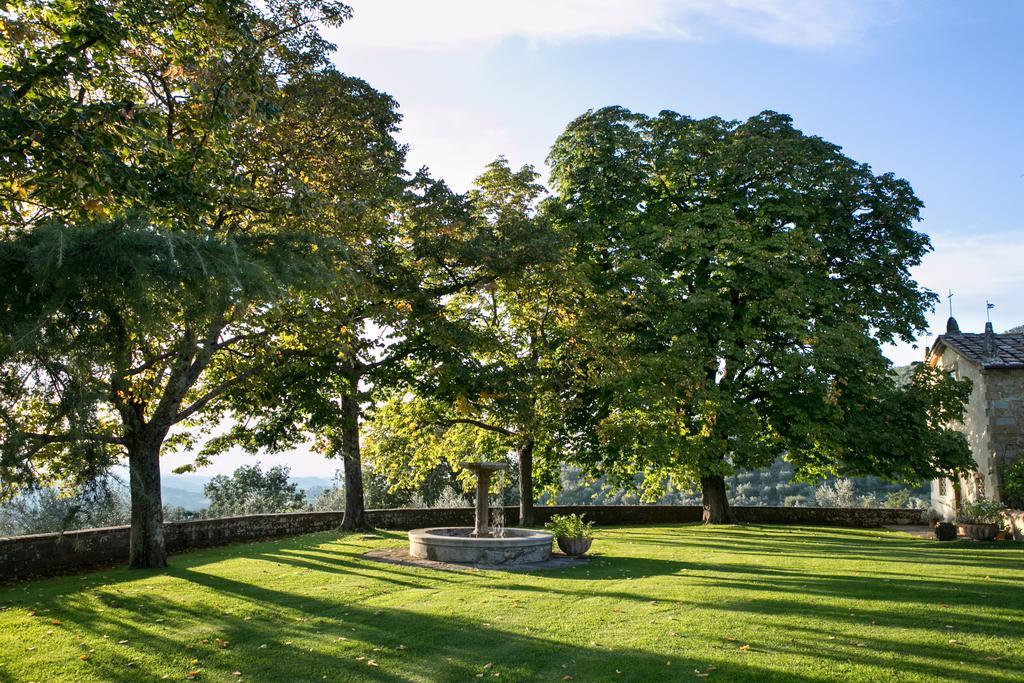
[(276, 635), (298, 638)]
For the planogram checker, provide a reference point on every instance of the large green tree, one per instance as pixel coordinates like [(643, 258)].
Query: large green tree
[(432, 249), (741, 280), (175, 176), (498, 384)]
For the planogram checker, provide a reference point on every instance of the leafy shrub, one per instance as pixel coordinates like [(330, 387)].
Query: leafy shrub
[(1013, 484), (840, 494), (981, 511), (250, 491), (570, 526), (330, 500)]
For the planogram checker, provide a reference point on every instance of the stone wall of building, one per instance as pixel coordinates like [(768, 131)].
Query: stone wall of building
[(40, 554), (1005, 390), (994, 426), (974, 427)]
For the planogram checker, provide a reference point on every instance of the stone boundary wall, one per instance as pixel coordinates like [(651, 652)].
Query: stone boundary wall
[(25, 556)]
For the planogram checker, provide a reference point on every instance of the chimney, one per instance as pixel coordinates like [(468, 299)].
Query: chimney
[(990, 341)]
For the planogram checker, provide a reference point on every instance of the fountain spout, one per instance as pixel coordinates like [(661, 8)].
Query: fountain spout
[(483, 471)]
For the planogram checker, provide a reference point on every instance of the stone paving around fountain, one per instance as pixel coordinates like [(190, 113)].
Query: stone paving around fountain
[(401, 556)]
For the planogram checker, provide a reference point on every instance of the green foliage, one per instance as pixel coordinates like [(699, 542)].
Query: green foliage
[(570, 526), (178, 180), (741, 279), (981, 511), (488, 380), (1013, 484), (773, 485), (250, 490), (101, 503)]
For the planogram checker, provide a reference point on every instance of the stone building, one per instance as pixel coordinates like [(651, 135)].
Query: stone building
[(994, 418)]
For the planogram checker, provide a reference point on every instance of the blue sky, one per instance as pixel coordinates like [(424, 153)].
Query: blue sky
[(932, 91)]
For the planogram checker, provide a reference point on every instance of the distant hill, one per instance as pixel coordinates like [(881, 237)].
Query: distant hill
[(186, 490), (183, 498)]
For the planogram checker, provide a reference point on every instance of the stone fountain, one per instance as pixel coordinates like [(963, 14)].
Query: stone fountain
[(480, 544)]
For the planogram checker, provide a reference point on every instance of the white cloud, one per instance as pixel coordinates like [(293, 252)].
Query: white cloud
[(455, 142), (448, 25), (978, 267)]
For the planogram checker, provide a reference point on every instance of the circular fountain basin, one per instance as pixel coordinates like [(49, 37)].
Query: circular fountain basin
[(456, 544)]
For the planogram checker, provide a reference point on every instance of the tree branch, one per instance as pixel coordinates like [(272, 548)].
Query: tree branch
[(65, 438), (476, 423), (216, 392)]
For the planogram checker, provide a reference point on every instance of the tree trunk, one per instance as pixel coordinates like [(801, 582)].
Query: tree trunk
[(355, 504), (716, 502), (146, 539), (526, 516)]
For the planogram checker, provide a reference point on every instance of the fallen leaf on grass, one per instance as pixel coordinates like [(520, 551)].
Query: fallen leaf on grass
[(745, 648), (372, 662), (84, 658), (122, 642)]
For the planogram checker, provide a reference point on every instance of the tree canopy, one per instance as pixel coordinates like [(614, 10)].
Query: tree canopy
[(176, 176), (742, 278), (495, 384), (207, 232)]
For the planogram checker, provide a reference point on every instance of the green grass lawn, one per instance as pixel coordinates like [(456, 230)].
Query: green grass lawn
[(655, 603)]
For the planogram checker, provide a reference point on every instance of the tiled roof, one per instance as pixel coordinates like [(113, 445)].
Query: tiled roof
[(1007, 352)]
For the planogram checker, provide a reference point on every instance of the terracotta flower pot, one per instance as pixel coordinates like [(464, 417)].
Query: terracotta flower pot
[(981, 532), (945, 531), (574, 547)]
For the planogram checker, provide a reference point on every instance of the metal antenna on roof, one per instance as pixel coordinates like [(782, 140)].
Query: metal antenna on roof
[(988, 310)]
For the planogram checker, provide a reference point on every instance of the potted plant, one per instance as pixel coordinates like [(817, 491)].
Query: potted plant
[(981, 519), (945, 531), (572, 534)]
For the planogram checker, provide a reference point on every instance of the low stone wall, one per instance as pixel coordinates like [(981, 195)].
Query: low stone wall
[(25, 556)]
